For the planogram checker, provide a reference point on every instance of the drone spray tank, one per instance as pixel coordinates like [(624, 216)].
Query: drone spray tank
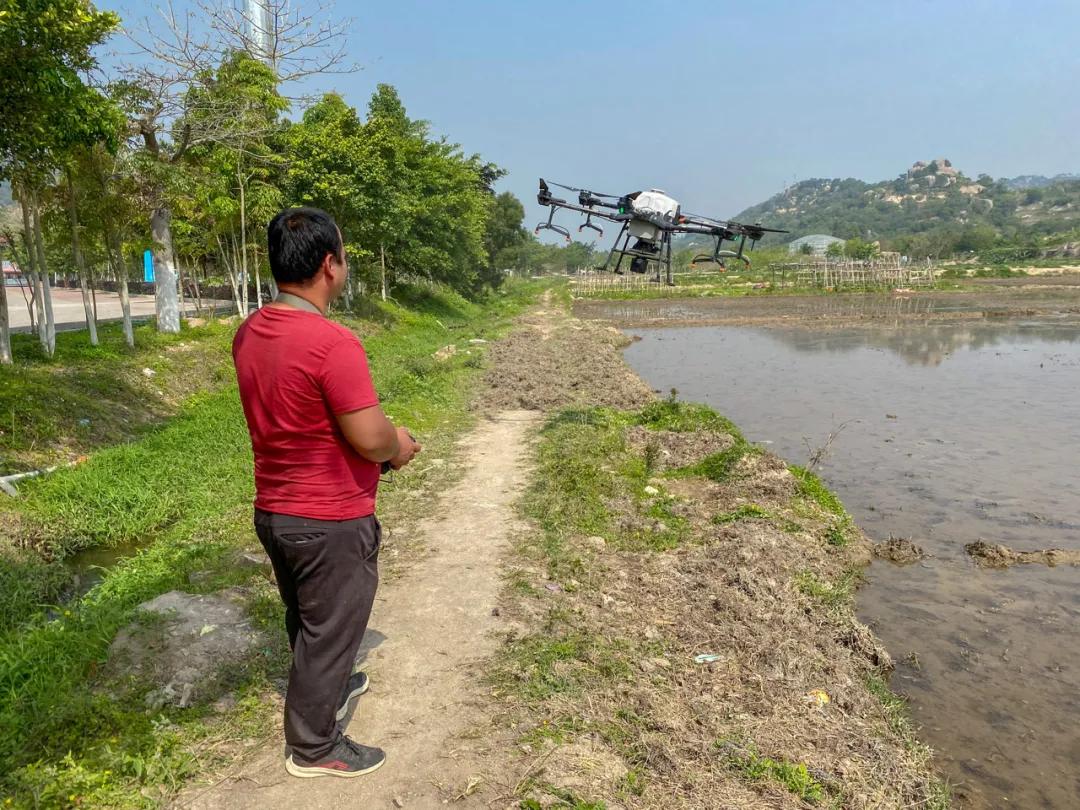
[(650, 209)]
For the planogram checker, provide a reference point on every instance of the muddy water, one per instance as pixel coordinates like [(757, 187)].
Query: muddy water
[(952, 431)]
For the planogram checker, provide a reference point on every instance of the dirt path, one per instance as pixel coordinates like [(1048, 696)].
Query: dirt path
[(430, 630)]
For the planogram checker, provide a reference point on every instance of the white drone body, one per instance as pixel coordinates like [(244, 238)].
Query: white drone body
[(653, 204)]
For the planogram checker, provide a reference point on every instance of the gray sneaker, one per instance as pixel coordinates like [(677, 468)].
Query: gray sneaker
[(347, 758), (356, 686)]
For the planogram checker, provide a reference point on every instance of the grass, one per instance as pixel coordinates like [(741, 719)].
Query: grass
[(671, 414), (751, 511), (812, 489), (793, 777), (896, 713), (567, 662), (830, 594), (573, 493), (183, 491), (563, 799), (86, 397)]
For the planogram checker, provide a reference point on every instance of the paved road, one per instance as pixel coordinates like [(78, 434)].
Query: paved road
[(68, 308)]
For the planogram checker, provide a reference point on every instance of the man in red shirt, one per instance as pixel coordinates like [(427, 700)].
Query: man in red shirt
[(319, 438)]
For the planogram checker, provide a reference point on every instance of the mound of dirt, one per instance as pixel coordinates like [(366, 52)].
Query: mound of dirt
[(179, 644), (552, 361), (995, 555), (899, 550), (672, 449)]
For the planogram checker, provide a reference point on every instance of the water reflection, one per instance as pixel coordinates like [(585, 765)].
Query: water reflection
[(928, 343), (955, 432)]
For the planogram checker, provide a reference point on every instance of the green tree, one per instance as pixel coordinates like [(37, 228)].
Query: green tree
[(46, 50), (860, 249), (406, 203), (233, 181), (505, 233)]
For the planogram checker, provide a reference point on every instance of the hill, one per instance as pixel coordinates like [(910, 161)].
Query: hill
[(1026, 181), (931, 209)]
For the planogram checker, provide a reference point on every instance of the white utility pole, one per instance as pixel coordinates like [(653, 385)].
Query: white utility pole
[(260, 27)]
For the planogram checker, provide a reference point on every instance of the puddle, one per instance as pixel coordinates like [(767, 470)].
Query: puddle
[(89, 567), (952, 431)]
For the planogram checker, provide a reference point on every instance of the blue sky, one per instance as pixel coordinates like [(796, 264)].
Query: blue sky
[(723, 104)]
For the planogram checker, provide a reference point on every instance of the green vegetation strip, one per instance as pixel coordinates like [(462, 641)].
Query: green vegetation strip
[(183, 493)]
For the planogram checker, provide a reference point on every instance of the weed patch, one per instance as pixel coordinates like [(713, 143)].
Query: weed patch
[(813, 489), (793, 777), (830, 594)]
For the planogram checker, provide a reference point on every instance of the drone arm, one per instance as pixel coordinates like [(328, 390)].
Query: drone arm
[(614, 217)]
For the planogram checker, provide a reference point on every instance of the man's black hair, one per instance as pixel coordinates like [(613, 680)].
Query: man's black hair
[(298, 240)]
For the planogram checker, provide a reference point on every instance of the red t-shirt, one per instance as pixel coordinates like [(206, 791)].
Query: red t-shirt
[(296, 371)]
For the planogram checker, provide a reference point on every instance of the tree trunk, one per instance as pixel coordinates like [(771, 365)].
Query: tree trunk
[(125, 307), (93, 294), (46, 285), (231, 270), (37, 310), (5, 332), (28, 300), (197, 290), (166, 293), (183, 289), (116, 259), (382, 263), (80, 262), (240, 263), (243, 244)]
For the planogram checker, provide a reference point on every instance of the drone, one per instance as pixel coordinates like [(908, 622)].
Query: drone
[(649, 218)]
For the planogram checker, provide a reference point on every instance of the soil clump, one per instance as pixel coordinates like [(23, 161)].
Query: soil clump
[(899, 550), (995, 555)]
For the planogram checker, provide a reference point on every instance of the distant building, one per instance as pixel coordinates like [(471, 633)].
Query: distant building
[(818, 242), (12, 276)]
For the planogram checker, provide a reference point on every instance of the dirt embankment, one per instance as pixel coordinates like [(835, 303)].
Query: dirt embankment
[(721, 667), (553, 361)]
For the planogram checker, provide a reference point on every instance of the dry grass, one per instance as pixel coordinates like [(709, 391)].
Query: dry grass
[(552, 360)]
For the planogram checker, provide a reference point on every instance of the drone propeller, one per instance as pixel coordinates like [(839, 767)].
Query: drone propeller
[(581, 190)]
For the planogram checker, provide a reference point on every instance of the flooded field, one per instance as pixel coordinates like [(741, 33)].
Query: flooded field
[(955, 419)]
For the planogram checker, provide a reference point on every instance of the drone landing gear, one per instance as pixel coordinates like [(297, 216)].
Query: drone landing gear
[(718, 256), (641, 254), (588, 224), (548, 226)]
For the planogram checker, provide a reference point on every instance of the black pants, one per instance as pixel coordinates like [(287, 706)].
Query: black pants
[(327, 572)]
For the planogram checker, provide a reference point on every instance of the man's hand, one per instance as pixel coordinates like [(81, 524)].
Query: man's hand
[(407, 448)]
